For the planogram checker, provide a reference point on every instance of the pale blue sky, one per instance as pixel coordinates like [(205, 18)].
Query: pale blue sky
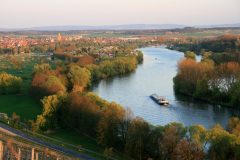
[(29, 13)]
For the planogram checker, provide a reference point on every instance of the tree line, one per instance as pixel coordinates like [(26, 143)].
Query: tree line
[(222, 49), (208, 81), (116, 127), (73, 77), (68, 104), (110, 68)]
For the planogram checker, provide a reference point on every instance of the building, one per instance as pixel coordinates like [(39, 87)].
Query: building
[(59, 37)]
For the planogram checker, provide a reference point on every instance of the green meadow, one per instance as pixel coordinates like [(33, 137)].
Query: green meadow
[(22, 104)]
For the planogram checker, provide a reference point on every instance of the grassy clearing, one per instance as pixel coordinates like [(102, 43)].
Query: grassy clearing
[(81, 143), (80, 140), (23, 104), (72, 137), (26, 107)]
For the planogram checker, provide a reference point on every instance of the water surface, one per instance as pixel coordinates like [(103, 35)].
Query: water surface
[(155, 76)]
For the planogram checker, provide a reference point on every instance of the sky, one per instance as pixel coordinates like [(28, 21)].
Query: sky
[(36, 13)]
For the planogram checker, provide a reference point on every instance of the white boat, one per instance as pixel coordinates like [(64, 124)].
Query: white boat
[(160, 100)]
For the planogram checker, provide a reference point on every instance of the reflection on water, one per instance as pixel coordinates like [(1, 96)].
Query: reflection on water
[(155, 76)]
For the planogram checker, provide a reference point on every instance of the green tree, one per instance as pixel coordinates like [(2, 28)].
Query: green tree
[(190, 55), (235, 94), (81, 112), (223, 145), (234, 126), (45, 85), (9, 84), (198, 135), (154, 142), (49, 118), (109, 124), (188, 150), (137, 138), (79, 77), (41, 68), (202, 88), (139, 57), (173, 133), (95, 72), (107, 70)]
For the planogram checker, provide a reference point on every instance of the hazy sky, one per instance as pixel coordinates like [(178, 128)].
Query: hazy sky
[(28, 13)]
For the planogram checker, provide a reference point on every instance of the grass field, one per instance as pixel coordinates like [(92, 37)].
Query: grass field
[(74, 138), (212, 33), (22, 104), (27, 108), (78, 139)]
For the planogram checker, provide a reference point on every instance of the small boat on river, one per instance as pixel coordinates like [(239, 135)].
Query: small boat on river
[(159, 100)]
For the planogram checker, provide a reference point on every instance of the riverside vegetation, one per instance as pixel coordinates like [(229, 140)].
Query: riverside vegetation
[(68, 104), (217, 77)]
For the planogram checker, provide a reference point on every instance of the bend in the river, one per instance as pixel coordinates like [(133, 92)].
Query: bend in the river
[(155, 76)]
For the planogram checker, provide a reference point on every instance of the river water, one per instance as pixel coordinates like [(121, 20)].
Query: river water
[(155, 76)]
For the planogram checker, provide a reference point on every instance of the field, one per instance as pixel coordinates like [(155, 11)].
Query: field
[(192, 32), (78, 139), (212, 32), (22, 104), (28, 108)]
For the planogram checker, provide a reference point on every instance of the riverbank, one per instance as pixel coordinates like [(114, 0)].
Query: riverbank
[(205, 100), (206, 81), (155, 76), (90, 114)]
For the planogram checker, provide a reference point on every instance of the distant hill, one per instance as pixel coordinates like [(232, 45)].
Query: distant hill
[(117, 27), (218, 26), (104, 27)]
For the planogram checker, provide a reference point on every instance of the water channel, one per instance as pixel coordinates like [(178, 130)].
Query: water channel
[(155, 76)]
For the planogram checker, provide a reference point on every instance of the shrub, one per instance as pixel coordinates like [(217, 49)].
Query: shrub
[(9, 84)]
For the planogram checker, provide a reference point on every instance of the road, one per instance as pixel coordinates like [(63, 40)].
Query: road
[(38, 141)]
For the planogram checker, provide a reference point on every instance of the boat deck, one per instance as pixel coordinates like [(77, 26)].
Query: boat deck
[(159, 99)]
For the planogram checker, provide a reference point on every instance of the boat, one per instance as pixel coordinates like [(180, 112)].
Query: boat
[(159, 100)]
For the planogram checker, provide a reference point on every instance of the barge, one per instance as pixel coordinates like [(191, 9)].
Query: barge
[(159, 100)]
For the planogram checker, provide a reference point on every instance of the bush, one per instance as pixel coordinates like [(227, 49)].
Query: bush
[(9, 84), (45, 85), (190, 55), (78, 77)]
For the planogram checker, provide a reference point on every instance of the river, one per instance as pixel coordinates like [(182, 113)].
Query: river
[(155, 76)]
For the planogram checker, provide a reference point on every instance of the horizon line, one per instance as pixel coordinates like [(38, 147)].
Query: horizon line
[(126, 24)]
